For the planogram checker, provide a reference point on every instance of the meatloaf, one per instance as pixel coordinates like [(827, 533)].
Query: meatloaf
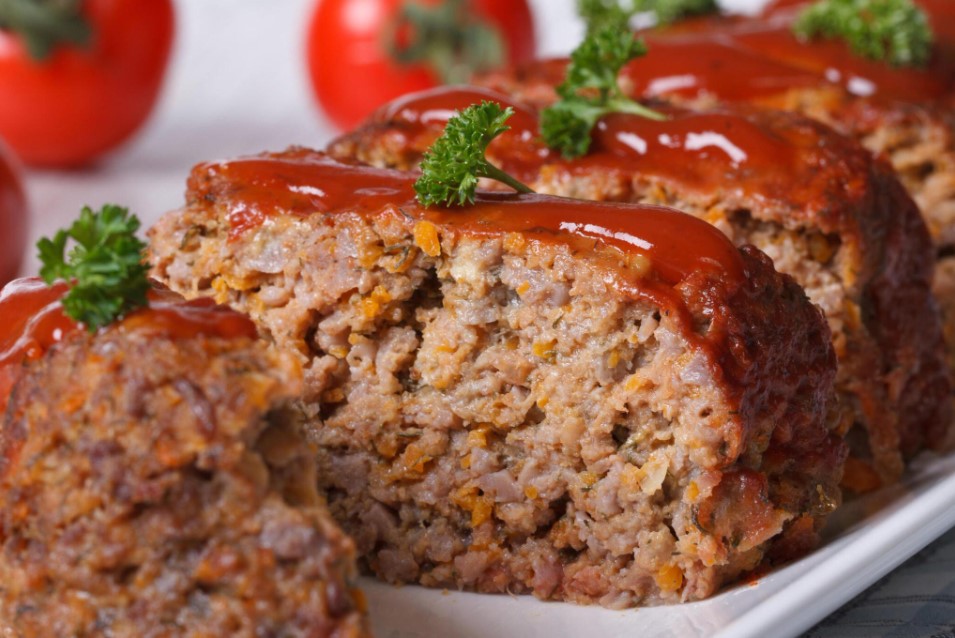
[(908, 118), (900, 112), (824, 209), (156, 480), (592, 402), (907, 115)]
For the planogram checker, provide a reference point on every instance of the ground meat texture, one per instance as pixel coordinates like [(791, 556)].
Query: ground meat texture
[(164, 487), (494, 413), (819, 205)]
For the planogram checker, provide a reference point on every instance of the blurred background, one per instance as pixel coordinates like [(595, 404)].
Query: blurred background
[(237, 83)]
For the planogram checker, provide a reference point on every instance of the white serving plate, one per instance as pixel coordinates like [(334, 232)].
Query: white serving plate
[(866, 539)]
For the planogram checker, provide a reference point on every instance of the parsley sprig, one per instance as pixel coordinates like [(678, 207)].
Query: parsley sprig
[(600, 13), (590, 90), (451, 168), (894, 31), (104, 266)]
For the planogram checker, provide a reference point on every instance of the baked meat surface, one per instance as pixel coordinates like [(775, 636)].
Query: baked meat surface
[(159, 486), (817, 203), (502, 407)]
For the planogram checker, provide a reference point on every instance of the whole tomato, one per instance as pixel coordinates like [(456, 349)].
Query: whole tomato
[(13, 217), (363, 53), (82, 100)]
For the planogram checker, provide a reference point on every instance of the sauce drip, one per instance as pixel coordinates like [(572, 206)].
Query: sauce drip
[(303, 182), (33, 321)]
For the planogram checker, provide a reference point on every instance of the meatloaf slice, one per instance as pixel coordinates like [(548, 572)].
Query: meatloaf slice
[(591, 402), (827, 213), (915, 129), (906, 115), (157, 481), (901, 113)]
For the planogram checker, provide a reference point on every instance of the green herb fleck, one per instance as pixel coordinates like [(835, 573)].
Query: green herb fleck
[(104, 266), (893, 31), (451, 168), (590, 90)]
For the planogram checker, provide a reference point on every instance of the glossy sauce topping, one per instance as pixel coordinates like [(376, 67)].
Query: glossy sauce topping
[(304, 182), (690, 66), (703, 151), (835, 62), (752, 58), (700, 150), (32, 321)]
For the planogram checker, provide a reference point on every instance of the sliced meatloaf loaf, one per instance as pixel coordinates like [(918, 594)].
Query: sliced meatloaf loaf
[(156, 481), (900, 112), (913, 124), (827, 213), (905, 114), (591, 402)]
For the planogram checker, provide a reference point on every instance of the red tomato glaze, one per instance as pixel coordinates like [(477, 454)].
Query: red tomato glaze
[(32, 321)]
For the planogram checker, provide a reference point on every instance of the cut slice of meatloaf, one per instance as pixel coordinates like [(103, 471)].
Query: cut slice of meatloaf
[(818, 204), (913, 124), (901, 112), (591, 402), (904, 114), (156, 481)]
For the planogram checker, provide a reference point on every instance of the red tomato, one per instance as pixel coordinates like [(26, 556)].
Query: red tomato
[(80, 103), (13, 217), (351, 71)]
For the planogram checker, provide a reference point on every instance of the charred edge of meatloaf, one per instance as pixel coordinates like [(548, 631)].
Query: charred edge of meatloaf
[(499, 418), (154, 487), (849, 235)]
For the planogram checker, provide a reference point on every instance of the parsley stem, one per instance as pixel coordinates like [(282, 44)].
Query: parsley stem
[(634, 108), (497, 174)]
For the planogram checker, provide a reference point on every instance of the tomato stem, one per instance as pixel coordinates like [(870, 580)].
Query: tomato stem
[(44, 24), (447, 38)]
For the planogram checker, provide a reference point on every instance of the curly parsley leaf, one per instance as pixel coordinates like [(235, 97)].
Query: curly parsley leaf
[(451, 168), (590, 90), (601, 13), (893, 31), (104, 266)]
